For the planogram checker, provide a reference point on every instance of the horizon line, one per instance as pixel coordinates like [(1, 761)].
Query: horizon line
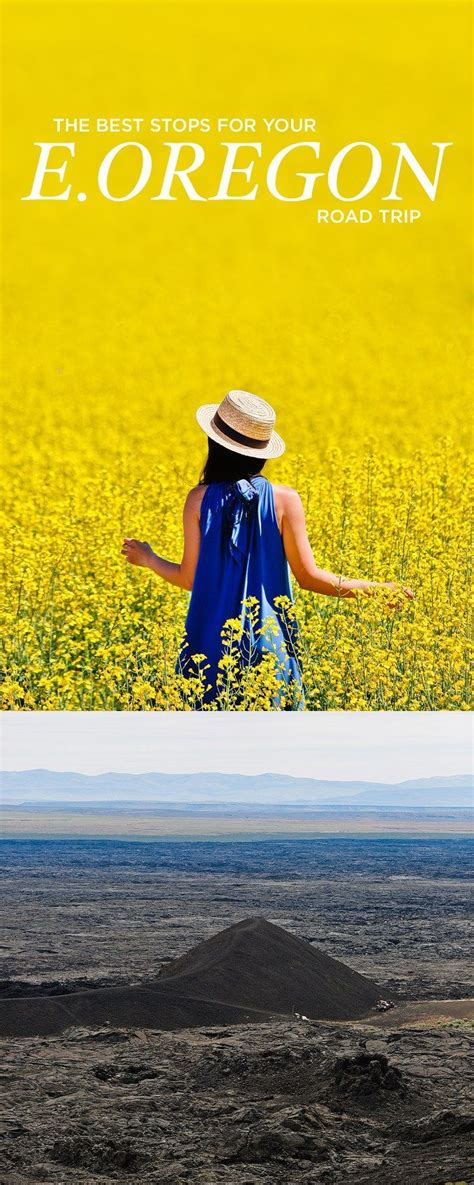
[(225, 774)]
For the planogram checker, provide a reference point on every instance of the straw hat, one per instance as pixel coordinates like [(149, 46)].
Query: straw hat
[(242, 423)]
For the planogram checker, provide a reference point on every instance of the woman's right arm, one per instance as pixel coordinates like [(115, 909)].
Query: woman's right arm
[(140, 553), (301, 560)]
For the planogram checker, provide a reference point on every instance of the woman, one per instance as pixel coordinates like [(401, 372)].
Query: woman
[(240, 534)]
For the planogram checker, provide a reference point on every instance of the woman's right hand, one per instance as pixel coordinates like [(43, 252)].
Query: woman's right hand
[(137, 552)]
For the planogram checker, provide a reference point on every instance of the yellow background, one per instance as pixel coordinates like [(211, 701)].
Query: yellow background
[(121, 318)]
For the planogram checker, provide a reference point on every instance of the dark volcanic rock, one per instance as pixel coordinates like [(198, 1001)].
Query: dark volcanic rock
[(367, 1074), (254, 1104), (96, 1153), (437, 1126), (292, 1067), (125, 1074), (289, 1135)]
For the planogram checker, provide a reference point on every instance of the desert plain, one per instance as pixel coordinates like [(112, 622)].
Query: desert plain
[(205, 1069)]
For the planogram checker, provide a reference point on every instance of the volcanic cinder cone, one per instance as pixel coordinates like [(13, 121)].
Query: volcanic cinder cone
[(258, 965), (245, 973)]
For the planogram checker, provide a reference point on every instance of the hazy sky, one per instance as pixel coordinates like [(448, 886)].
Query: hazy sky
[(377, 746)]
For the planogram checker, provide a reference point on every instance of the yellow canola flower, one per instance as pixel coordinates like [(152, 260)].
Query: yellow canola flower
[(90, 633)]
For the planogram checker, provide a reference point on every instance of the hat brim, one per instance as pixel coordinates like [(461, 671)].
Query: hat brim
[(205, 415)]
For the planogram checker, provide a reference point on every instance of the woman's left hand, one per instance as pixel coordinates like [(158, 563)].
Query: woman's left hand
[(137, 552)]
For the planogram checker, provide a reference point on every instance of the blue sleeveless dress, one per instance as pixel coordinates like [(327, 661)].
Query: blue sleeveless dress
[(242, 557)]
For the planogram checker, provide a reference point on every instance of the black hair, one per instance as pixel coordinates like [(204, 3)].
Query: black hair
[(224, 465)]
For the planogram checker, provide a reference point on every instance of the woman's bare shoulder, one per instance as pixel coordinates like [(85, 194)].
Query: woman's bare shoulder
[(286, 500), (285, 496)]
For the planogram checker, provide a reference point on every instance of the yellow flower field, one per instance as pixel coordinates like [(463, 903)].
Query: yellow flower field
[(122, 318)]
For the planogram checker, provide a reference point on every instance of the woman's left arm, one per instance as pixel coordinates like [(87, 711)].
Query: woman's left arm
[(182, 575), (302, 563)]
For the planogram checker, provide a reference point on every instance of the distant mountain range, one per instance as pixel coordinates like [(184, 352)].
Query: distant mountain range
[(39, 786)]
